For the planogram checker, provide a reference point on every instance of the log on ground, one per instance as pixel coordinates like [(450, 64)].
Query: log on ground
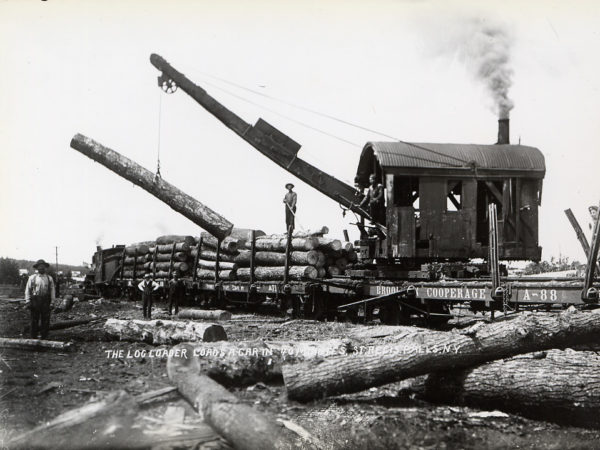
[(276, 273), (163, 331), (242, 426), (204, 314), (562, 386), (33, 344), (445, 351), (178, 200)]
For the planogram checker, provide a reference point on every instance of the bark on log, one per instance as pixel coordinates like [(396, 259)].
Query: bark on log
[(228, 275), (211, 255), (163, 331), (441, 352), (279, 244), (164, 266), (129, 260), (102, 424), (341, 263), (211, 265), (228, 244), (171, 239), (136, 249), (204, 314), (68, 324), (168, 248), (243, 426), (317, 232), (248, 362), (245, 234), (321, 272), (334, 271), (264, 258), (329, 245), (191, 208), (166, 257), (33, 344), (277, 273), (562, 386)]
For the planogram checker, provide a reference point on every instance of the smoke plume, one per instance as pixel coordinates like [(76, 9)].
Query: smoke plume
[(485, 49)]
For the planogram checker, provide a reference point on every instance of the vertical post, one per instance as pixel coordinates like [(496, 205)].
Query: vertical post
[(218, 258), (195, 268), (517, 195), (172, 261), (122, 265), (493, 246), (134, 263), (589, 294), (252, 255), (346, 237), (287, 254), (154, 260)]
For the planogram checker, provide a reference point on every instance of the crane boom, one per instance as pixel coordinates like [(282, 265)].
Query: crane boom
[(267, 139)]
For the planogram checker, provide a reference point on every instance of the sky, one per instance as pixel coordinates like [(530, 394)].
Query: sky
[(400, 68)]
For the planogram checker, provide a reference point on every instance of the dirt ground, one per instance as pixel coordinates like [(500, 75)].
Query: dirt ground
[(37, 386)]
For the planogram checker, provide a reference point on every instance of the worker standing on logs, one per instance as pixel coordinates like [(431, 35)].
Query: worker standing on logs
[(39, 293), (374, 199), (147, 286), (176, 292), (290, 200)]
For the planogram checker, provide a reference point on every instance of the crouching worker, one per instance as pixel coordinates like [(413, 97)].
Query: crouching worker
[(39, 294), (148, 286), (176, 292)]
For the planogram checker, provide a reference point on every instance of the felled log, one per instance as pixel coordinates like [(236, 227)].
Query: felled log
[(328, 244), (341, 263), (245, 234), (555, 385), (228, 245), (191, 208), (248, 362), (129, 260), (444, 351), (171, 239), (68, 324), (242, 426), (264, 258), (205, 274), (333, 271), (136, 249), (211, 265), (279, 244), (211, 255), (321, 272), (163, 331), (316, 232), (168, 248), (277, 273), (33, 344), (204, 314), (164, 266), (102, 424), (166, 257)]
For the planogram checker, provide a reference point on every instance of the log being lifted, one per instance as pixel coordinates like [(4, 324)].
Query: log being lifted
[(276, 273), (205, 274), (33, 344), (243, 426), (279, 244), (442, 351), (204, 314), (191, 208), (263, 258), (163, 331), (562, 386)]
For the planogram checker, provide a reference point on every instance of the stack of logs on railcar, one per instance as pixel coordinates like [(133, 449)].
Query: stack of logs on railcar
[(311, 255)]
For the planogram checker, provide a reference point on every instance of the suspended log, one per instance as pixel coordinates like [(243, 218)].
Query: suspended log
[(242, 426), (276, 273), (472, 346), (136, 249), (191, 208), (279, 244), (332, 245), (263, 258), (204, 314), (171, 239), (211, 255), (163, 331), (33, 344), (211, 265), (562, 386), (228, 245), (205, 274), (168, 248), (164, 266), (249, 362), (104, 424)]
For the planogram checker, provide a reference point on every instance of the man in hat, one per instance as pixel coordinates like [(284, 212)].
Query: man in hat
[(290, 200), (39, 293), (374, 200), (594, 214), (147, 286), (176, 292)]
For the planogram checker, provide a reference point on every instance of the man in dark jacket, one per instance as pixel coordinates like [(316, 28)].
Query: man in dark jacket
[(176, 292), (147, 286), (39, 293)]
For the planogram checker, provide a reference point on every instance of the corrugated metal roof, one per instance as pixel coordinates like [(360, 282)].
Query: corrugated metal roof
[(445, 156)]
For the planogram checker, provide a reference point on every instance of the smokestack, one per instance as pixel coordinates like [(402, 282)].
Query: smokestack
[(503, 131)]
